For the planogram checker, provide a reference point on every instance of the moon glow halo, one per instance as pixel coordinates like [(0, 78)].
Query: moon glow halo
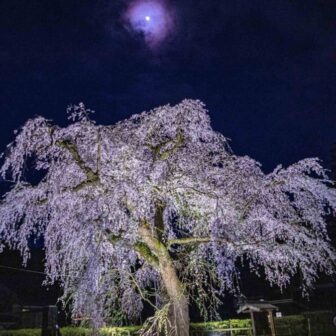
[(152, 19)]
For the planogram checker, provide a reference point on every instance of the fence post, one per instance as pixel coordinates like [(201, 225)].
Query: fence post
[(309, 326)]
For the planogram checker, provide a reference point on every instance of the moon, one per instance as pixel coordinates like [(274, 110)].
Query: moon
[(151, 19)]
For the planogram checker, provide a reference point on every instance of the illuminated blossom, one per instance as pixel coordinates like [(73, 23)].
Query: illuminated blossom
[(160, 194)]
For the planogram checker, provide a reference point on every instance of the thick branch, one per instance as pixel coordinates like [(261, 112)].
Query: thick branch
[(189, 240), (158, 219), (204, 240), (160, 154), (146, 253), (196, 240), (90, 174), (140, 247), (150, 239)]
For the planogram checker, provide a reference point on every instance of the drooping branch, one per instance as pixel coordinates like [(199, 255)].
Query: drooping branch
[(142, 294)]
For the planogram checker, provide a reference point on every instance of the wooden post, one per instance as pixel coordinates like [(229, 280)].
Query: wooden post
[(271, 322), (253, 325)]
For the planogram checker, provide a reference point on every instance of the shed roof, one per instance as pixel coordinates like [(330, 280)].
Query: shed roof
[(256, 307)]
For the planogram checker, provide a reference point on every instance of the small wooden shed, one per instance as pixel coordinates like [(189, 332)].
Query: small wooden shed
[(261, 315)]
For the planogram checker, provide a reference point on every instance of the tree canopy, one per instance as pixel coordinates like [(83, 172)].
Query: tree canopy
[(158, 195)]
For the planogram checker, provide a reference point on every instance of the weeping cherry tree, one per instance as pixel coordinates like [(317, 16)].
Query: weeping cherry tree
[(156, 210)]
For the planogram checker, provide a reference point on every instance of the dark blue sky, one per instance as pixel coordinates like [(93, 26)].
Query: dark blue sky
[(265, 69)]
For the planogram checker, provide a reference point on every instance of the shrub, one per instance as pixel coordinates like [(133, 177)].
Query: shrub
[(75, 331), (321, 323), (295, 325), (108, 331), (21, 332), (225, 324)]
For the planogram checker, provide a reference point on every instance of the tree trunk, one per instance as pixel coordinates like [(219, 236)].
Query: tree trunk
[(179, 306), (179, 309)]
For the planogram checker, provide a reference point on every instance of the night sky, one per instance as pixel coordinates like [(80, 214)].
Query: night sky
[(265, 69)]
